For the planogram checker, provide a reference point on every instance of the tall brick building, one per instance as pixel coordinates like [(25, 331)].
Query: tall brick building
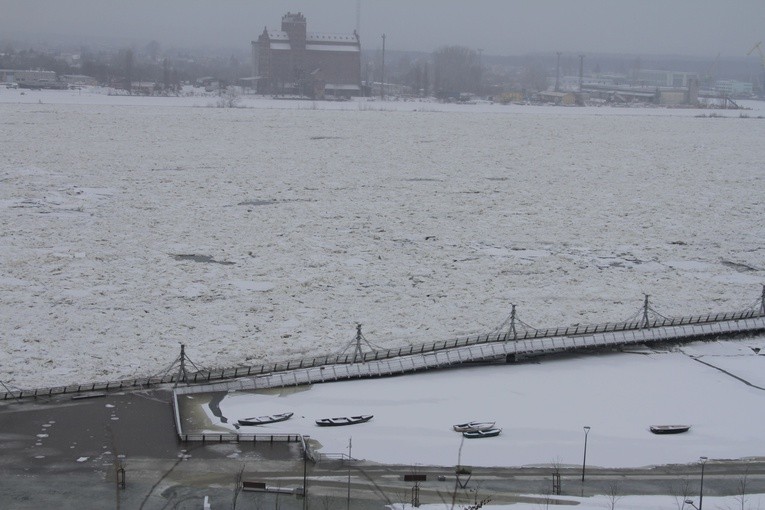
[(295, 61)]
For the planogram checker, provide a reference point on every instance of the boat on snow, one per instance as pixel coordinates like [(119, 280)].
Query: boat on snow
[(669, 429), (262, 420), (343, 420), (476, 434), (472, 426)]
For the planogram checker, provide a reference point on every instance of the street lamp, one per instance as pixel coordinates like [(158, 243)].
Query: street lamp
[(703, 461), (584, 460)]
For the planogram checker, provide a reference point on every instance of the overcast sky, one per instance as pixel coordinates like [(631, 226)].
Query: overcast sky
[(498, 27)]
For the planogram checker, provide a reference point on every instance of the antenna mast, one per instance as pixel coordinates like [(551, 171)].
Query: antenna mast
[(358, 17)]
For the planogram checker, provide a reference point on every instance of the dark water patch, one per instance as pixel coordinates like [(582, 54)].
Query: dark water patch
[(496, 178), (257, 202), (741, 268), (325, 138), (422, 179), (201, 258)]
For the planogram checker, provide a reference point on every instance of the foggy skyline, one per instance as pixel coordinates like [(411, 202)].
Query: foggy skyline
[(648, 27)]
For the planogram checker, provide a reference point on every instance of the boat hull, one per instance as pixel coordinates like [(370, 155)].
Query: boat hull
[(669, 429), (343, 420), (262, 420), (478, 434), (474, 426)]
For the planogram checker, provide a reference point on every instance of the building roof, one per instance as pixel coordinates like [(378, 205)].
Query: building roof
[(330, 47), (333, 41), (318, 37)]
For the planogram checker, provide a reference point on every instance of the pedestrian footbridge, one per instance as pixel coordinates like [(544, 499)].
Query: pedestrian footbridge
[(491, 348), (512, 343)]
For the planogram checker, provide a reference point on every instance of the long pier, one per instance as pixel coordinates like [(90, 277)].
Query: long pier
[(510, 344), (501, 348)]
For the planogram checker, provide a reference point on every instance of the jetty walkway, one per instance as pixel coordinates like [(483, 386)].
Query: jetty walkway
[(502, 347), (514, 343)]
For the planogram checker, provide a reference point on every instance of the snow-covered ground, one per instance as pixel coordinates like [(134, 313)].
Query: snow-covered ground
[(130, 225), (749, 501), (541, 409)]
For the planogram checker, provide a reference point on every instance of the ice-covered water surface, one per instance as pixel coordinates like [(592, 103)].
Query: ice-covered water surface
[(258, 234)]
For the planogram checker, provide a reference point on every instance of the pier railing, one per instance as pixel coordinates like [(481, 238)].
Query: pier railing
[(206, 376)]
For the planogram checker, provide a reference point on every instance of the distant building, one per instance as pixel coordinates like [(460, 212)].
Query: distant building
[(654, 78), (32, 79), (295, 61), (734, 88), (79, 80), (561, 98)]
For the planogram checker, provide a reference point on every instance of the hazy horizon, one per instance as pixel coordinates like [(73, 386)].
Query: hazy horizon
[(496, 27)]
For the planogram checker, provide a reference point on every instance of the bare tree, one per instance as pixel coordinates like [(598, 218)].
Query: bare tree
[(456, 69), (533, 76), (613, 495), (681, 491), (556, 465), (152, 50), (129, 61), (741, 498), (477, 501), (238, 486)]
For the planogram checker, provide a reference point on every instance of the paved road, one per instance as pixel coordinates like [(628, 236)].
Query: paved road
[(62, 453)]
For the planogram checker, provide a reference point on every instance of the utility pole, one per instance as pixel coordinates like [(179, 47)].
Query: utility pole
[(480, 72), (350, 439), (581, 71), (305, 473), (557, 73), (382, 79), (358, 17)]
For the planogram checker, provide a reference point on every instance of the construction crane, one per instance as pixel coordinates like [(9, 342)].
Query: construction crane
[(711, 74), (758, 47)]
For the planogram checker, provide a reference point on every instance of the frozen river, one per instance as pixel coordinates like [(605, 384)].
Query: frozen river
[(129, 226)]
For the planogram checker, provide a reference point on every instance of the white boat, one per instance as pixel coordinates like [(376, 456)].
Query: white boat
[(343, 420), (473, 426), (262, 420)]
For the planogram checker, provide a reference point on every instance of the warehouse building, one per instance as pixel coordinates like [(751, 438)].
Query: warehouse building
[(295, 61)]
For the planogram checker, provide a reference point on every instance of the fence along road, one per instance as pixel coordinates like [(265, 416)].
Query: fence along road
[(511, 345)]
